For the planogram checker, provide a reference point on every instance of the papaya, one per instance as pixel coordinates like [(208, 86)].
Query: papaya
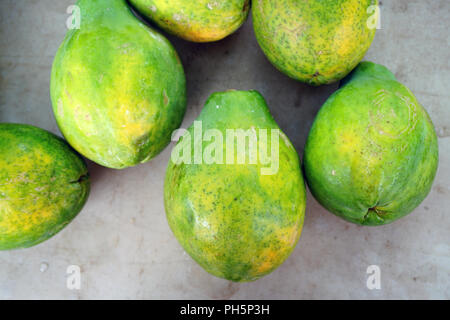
[(316, 42), (372, 152), (44, 184), (197, 21), (118, 88), (238, 207)]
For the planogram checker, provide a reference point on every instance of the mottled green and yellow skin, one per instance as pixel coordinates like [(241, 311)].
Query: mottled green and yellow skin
[(235, 222), (118, 87), (43, 185), (316, 42), (372, 152), (197, 21)]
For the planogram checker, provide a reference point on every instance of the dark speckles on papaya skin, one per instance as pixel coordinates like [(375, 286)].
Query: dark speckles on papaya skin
[(378, 170), (245, 224), (292, 34), (43, 185)]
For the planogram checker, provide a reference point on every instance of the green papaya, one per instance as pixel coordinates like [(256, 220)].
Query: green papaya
[(236, 210), (118, 87), (197, 21), (372, 152), (316, 42), (44, 184)]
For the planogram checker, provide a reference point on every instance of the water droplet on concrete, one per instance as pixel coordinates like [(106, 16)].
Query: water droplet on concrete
[(43, 267)]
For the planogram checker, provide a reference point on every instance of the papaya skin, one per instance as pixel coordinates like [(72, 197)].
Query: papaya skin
[(196, 21), (44, 184), (118, 88), (235, 222), (372, 152), (316, 42)]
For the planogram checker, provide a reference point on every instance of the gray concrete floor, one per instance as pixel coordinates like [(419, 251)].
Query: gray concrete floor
[(121, 239)]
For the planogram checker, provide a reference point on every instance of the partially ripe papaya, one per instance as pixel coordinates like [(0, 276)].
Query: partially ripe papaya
[(316, 42), (372, 153), (44, 184), (118, 88), (197, 21), (237, 210)]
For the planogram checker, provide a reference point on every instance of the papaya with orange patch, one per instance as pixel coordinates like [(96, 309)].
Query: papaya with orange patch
[(197, 21), (239, 213), (118, 88)]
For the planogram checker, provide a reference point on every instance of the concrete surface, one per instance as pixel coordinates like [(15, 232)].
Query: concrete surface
[(121, 240)]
